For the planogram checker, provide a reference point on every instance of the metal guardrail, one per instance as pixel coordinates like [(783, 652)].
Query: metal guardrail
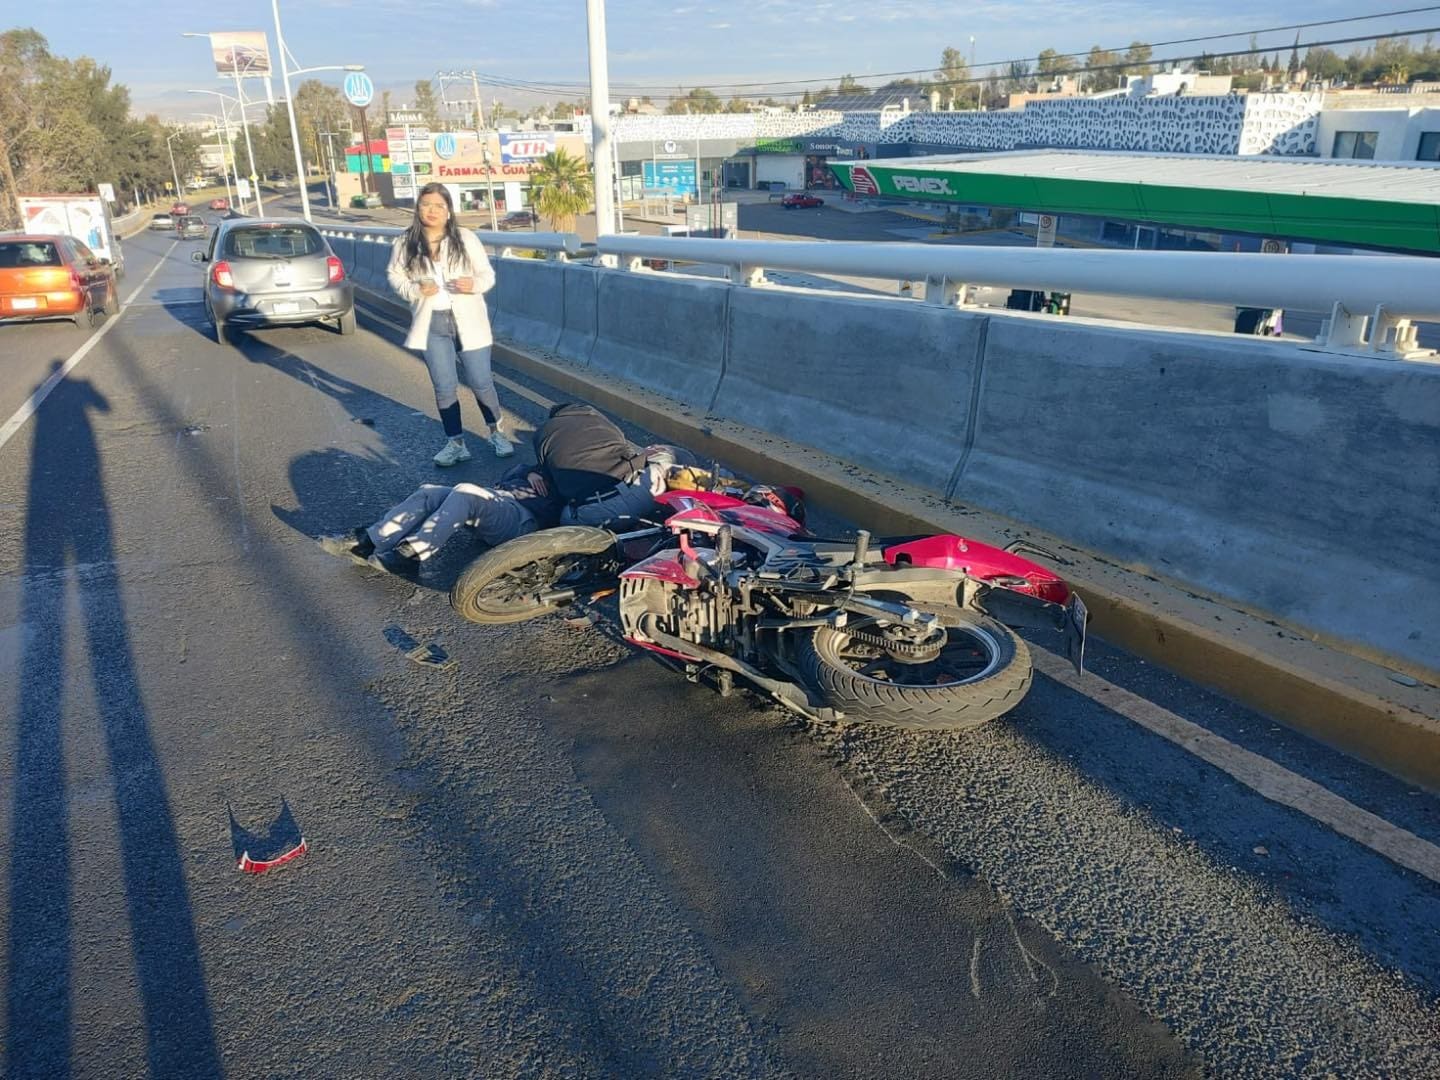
[(1371, 299), (560, 245)]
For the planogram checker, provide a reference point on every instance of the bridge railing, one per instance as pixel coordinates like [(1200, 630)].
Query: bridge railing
[(1372, 300)]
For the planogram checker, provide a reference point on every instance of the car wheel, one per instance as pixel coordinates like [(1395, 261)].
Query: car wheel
[(346, 323), (112, 300)]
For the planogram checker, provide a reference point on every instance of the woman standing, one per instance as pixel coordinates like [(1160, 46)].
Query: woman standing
[(441, 271)]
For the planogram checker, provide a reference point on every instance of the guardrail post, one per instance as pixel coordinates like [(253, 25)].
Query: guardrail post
[(944, 292), (1343, 332), (747, 276)]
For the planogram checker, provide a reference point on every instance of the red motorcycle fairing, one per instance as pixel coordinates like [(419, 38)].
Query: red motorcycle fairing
[(667, 566), (981, 561)]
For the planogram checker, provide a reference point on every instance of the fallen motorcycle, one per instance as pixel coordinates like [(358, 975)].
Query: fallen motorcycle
[(912, 632)]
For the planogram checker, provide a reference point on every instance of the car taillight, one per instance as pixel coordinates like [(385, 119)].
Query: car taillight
[(75, 282), (222, 277), (337, 270)]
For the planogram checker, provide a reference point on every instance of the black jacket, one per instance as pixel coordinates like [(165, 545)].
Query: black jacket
[(583, 453)]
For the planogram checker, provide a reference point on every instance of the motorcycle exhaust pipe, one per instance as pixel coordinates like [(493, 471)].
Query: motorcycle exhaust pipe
[(862, 549)]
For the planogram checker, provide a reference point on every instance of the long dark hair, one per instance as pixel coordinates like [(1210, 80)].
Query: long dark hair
[(416, 246)]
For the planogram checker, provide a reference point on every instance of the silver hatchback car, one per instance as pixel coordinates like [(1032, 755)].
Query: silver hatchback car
[(273, 273)]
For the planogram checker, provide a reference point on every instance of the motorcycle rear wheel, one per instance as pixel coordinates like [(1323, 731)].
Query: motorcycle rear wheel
[(504, 584), (983, 671)]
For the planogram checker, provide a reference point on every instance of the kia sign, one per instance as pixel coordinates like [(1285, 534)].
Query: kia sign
[(359, 90), (530, 147)]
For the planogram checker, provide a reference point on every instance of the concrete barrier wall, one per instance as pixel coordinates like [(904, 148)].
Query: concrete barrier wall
[(1294, 483), (845, 376), (1300, 484), (527, 304), (665, 335), (582, 299)]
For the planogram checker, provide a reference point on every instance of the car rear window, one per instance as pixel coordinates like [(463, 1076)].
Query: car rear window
[(18, 254), (272, 242)]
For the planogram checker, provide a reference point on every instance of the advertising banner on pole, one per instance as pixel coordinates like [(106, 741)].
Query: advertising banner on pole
[(242, 51)]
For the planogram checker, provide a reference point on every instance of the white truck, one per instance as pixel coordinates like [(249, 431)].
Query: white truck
[(85, 217)]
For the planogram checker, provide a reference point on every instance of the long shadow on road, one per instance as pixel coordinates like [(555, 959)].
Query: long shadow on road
[(68, 539)]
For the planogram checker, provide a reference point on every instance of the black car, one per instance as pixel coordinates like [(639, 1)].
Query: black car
[(519, 219)]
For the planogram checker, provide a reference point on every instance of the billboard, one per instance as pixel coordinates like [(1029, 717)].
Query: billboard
[(676, 177), (242, 50), (528, 147)]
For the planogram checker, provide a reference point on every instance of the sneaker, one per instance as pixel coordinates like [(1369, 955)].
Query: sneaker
[(393, 563), (345, 546), (452, 453), (503, 446), (406, 550)]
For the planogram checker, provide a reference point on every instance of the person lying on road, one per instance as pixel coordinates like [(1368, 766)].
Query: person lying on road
[(587, 473)]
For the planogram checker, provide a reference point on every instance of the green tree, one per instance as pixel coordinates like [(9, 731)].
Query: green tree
[(426, 104), (319, 107), (1137, 59), (562, 187), (1097, 80), (952, 78), (1049, 62), (698, 100), (1324, 63)]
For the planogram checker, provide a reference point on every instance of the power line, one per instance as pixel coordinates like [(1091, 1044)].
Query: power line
[(553, 90), (562, 89)]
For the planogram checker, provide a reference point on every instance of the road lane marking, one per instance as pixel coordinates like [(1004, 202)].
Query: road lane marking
[(27, 410), (1259, 774)]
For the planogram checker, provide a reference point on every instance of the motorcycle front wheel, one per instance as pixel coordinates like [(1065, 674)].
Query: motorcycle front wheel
[(983, 670), (509, 583)]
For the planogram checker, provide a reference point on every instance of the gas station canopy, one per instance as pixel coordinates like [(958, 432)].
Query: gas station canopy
[(1392, 206)]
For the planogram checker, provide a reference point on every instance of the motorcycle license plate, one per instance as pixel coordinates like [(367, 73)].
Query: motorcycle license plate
[(286, 307), (1076, 615)]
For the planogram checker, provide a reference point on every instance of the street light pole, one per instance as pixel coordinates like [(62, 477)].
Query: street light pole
[(600, 120), (490, 184), (245, 126), (173, 171), (229, 141), (217, 123), (290, 108)]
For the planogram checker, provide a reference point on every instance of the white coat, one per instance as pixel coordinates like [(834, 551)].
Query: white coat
[(472, 321)]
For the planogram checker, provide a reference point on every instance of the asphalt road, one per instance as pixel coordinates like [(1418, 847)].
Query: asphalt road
[(558, 859)]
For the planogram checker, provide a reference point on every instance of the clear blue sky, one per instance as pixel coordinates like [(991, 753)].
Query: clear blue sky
[(655, 41)]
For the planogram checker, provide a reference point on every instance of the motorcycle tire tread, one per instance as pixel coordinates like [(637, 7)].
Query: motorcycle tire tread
[(513, 554), (960, 707)]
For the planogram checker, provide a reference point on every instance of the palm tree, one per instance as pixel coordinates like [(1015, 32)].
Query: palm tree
[(561, 188)]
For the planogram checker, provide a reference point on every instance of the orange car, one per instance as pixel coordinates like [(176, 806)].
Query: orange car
[(48, 277)]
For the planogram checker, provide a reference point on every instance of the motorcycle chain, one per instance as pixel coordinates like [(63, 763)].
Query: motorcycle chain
[(921, 652)]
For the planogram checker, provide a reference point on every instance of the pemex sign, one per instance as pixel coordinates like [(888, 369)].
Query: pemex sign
[(899, 182)]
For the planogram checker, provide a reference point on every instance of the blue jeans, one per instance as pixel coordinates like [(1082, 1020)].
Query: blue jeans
[(444, 358)]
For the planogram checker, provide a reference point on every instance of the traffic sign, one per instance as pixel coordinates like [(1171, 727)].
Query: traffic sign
[(359, 90), (1045, 231)]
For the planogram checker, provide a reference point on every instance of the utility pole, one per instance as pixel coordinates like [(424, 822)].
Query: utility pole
[(179, 191), (600, 150)]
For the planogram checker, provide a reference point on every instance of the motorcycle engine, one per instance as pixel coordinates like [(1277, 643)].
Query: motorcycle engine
[(687, 613)]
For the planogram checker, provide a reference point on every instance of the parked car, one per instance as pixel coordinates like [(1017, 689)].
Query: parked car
[(162, 220), (273, 273), (519, 219), (801, 200), (191, 227), (47, 277), (180, 209), (220, 204)]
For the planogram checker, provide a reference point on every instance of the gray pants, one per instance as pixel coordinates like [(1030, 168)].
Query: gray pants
[(635, 499), (431, 515)]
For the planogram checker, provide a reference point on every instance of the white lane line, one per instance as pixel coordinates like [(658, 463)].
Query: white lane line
[(27, 410), (1259, 774), (509, 384)]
